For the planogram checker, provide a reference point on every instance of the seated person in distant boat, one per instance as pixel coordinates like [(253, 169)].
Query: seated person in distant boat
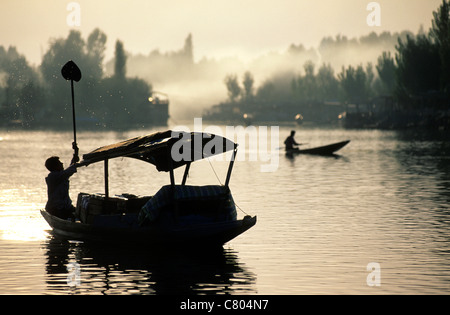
[(290, 142), (59, 203)]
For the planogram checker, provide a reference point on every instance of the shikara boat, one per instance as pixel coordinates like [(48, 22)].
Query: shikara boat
[(178, 214), (322, 150)]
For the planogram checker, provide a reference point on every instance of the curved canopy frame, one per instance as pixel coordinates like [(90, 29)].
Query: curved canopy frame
[(166, 150)]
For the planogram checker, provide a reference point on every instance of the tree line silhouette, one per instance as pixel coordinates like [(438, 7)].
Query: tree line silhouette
[(411, 70), (415, 78), (39, 96)]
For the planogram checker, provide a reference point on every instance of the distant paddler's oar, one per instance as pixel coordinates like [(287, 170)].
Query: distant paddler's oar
[(70, 71), (279, 148)]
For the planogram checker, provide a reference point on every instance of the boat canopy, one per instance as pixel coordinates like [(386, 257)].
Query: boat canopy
[(166, 150)]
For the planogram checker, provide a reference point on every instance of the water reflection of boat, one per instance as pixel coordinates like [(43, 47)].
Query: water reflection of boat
[(127, 269), (175, 215), (322, 150)]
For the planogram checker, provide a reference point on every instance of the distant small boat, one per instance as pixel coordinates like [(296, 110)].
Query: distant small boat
[(323, 150)]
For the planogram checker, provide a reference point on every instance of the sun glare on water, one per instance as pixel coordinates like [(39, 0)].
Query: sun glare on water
[(26, 227)]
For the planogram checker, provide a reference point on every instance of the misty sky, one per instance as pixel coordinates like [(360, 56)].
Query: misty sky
[(244, 28)]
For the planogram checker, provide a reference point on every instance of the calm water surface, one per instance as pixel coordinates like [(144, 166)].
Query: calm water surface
[(321, 220)]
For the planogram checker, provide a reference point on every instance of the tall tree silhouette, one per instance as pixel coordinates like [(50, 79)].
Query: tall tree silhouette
[(120, 61), (232, 84), (418, 64), (386, 72), (354, 83), (95, 50), (188, 50), (248, 82), (440, 33)]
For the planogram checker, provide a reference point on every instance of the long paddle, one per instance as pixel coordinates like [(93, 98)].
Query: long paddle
[(70, 71), (279, 148)]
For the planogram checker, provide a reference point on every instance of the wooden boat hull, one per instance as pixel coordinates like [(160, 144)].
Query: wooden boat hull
[(323, 150), (193, 235)]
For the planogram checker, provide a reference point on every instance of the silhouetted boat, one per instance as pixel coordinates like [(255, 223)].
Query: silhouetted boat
[(175, 215), (323, 150)]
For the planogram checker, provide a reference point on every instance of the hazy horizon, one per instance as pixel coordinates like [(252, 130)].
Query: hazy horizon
[(244, 29), (247, 35)]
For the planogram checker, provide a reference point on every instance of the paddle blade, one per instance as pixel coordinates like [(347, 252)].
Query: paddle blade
[(70, 71)]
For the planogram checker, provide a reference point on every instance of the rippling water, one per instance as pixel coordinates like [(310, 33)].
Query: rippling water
[(321, 221)]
